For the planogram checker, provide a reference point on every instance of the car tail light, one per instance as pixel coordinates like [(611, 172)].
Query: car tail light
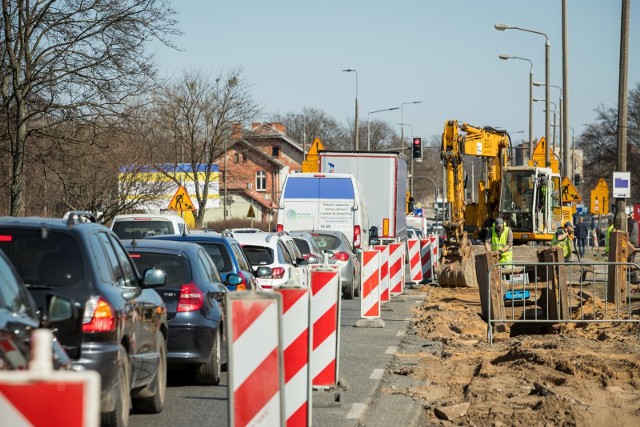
[(356, 236), (5, 238), (279, 228), (277, 272), (341, 256), (191, 298), (99, 316)]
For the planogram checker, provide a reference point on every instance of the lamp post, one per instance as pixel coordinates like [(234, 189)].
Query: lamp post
[(563, 144), (402, 125), (547, 47), (369, 124), (357, 127), (573, 154), (505, 57)]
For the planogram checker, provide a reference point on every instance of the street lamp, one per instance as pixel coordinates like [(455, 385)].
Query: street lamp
[(547, 47), (357, 127), (369, 124), (563, 146), (505, 57)]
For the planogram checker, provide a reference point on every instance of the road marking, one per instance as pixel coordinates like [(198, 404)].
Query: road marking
[(391, 350), (357, 409), (400, 333), (407, 319), (376, 374)]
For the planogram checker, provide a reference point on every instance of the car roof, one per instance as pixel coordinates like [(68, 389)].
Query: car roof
[(171, 217), (198, 237), (263, 238), (164, 245), (49, 223)]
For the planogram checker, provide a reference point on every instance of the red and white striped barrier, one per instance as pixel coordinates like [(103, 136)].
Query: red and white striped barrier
[(326, 288), (396, 268), (426, 259), (296, 343), (256, 380), (435, 248), (370, 290), (415, 265), (384, 272)]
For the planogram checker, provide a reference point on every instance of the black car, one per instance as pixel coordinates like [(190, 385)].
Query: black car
[(227, 255), (119, 326), (19, 318), (194, 295)]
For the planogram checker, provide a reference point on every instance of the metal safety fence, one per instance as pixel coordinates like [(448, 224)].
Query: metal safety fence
[(561, 292)]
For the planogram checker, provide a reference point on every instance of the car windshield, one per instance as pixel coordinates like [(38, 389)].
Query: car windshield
[(258, 255), (177, 268), (327, 242), (220, 256), (136, 229), (50, 259)]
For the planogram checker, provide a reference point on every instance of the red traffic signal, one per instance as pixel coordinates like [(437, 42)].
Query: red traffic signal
[(416, 148)]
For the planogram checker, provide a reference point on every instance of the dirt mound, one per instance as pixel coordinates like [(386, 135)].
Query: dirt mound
[(589, 375)]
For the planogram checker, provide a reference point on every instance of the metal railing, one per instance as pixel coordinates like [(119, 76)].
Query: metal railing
[(561, 292)]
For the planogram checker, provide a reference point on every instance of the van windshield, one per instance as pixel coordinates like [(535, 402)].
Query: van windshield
[(319, 188)]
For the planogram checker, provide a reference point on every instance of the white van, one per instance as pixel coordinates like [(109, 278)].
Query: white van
[(139, 226), (318, 201)]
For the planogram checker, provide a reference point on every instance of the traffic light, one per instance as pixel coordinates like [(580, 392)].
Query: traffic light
[(416, 148), (576, 179)]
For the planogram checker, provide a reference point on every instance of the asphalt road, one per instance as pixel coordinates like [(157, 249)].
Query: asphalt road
[(365, 354)]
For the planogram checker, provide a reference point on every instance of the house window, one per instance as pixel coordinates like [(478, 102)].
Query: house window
[(236, 157), (244, 157), (261, 181), (275, 151)]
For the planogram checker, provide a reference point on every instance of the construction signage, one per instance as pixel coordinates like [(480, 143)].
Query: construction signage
[(569, 192), (181, 201), (600, 198)]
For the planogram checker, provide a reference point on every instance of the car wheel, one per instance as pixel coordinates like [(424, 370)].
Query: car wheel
[(209, 373), (155, 404), (356, 285), (119, 417), (347, 293)]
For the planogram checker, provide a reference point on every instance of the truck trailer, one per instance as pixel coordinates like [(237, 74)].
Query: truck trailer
[(383, 179)]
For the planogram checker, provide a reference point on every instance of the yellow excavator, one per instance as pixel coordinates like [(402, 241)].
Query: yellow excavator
[(528, 198)]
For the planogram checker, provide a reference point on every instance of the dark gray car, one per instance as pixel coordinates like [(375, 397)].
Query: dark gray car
[(342, 254)]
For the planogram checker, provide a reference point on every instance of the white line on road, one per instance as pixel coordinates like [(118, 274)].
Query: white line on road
[(357, 409), (400, 333), (376, 374), (391, 350)]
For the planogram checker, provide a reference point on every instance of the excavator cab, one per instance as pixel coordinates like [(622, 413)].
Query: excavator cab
[(530, 202)]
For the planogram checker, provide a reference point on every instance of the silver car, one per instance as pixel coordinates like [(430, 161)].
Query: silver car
[(343, 255)]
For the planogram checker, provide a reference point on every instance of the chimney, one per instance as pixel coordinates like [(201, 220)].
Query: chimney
[(279, 127), (236, 132)]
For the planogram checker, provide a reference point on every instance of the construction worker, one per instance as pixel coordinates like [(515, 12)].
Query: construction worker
[(632, 227), (563, 238), (500, 240), (607, 236)]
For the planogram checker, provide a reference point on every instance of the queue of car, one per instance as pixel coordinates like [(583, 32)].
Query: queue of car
[(147, 295)]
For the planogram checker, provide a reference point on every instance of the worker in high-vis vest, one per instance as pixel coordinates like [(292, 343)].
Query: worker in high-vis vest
[(500, 240), (563, 238), (607, 236)]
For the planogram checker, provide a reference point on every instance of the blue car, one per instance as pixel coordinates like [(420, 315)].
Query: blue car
[(227, 255)]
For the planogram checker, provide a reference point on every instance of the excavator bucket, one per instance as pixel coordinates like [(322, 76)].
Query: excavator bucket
[(458, 268)]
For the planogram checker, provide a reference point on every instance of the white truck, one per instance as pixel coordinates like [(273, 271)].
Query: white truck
[(383, 178)]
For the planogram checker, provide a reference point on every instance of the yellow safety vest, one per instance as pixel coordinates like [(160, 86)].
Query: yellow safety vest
[(564, 244), (606, 239), (497, 243)]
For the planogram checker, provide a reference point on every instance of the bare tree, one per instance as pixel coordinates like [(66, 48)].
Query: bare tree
[(64, 59), (197, 115), (317, 124)]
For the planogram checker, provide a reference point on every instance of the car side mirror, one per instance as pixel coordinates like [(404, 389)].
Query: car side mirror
[(301, 261), (58, 309), (313, 259), (263, 271), (373, 232), (233, 279)]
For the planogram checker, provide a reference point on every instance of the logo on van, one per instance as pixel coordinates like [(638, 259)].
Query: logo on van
[(291, 214)]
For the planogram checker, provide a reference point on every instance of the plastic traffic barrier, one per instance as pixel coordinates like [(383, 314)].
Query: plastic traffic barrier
[(415, 264), (396, 268), (426, 259), (41, 396), (384, 272), (370, 290), (326, 287), (256, 374), (296, 342)]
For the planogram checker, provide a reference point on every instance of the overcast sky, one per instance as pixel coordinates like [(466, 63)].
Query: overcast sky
[(443, 53)]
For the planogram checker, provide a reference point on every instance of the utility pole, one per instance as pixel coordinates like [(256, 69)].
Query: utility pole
[(566, 159), (620, 220)]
